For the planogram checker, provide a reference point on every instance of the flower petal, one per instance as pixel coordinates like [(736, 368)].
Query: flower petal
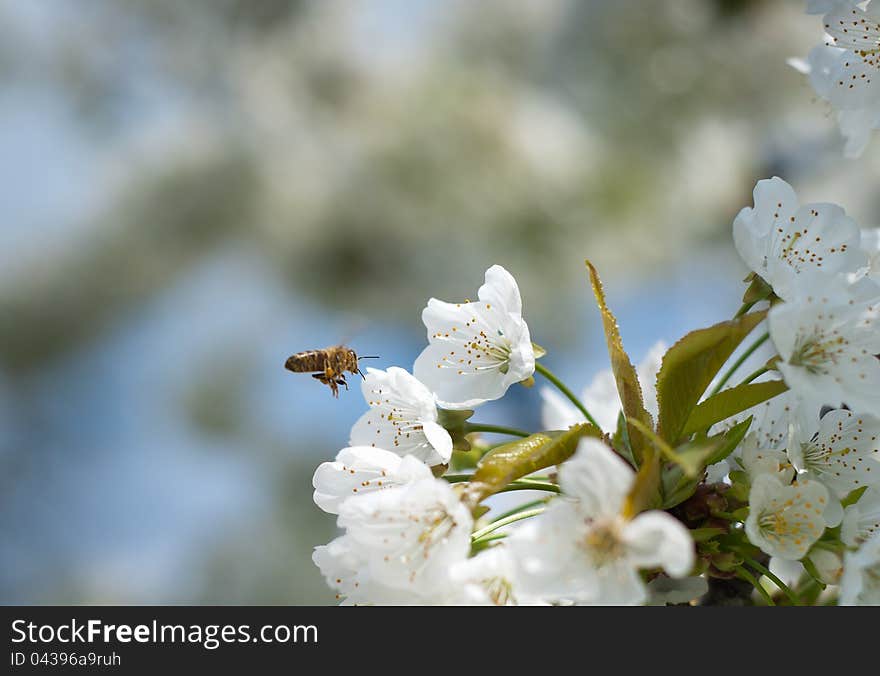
[(440, 440), (597, 477), (501, 289), (862, 519), (358, 470), (657, 539)]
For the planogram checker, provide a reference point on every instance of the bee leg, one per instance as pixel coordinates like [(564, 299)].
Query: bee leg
[(329, 377), (320, 377)]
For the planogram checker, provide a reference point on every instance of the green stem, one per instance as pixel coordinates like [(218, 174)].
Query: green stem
[(739, 362), (810, 590), (521, 508), (481, 544), (748, 577), (544, 371), (494, 429), (775, 580), (528, 485), (761, 371), (500, 523), (810, 567), (745, 307)]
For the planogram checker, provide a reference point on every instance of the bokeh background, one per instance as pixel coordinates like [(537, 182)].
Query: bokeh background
[(191, 191)]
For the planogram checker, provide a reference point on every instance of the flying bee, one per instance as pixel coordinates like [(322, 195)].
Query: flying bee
[(327, 365)]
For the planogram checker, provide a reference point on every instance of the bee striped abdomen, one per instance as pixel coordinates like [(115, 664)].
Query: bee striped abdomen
[(308, 361)]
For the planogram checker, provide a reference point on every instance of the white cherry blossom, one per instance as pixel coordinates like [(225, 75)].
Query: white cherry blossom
[(584, 549), (785, 520), (860, 584), (476, 350), (489, 578), (844, 454), (762, 450), (601, 397), (790, 245), (358, 470), (845, 70), (402, 417), (346, 572), (757, 460), (409, 536), (861, 520), (827, 346)]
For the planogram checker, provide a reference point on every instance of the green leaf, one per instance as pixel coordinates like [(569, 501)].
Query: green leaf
[(729, 440), (620, 441), (691, 457), (739, 485), (740, 514), (703, 534), (676, 486), (694, 456), (509, 462), (689, 366), (645, 492), (729, 402), (625, 376)]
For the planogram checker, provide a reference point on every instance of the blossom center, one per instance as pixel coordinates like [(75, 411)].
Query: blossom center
[(603, 542), (476, 351), (817, 457), (433, 527), (437, 525), (817, 353), (499, 590)]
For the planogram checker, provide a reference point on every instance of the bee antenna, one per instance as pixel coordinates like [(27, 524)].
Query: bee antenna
[(374, 356)]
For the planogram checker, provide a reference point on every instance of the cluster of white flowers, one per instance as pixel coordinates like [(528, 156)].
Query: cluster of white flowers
[(845, 69), (653, 485), (824, 322)]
